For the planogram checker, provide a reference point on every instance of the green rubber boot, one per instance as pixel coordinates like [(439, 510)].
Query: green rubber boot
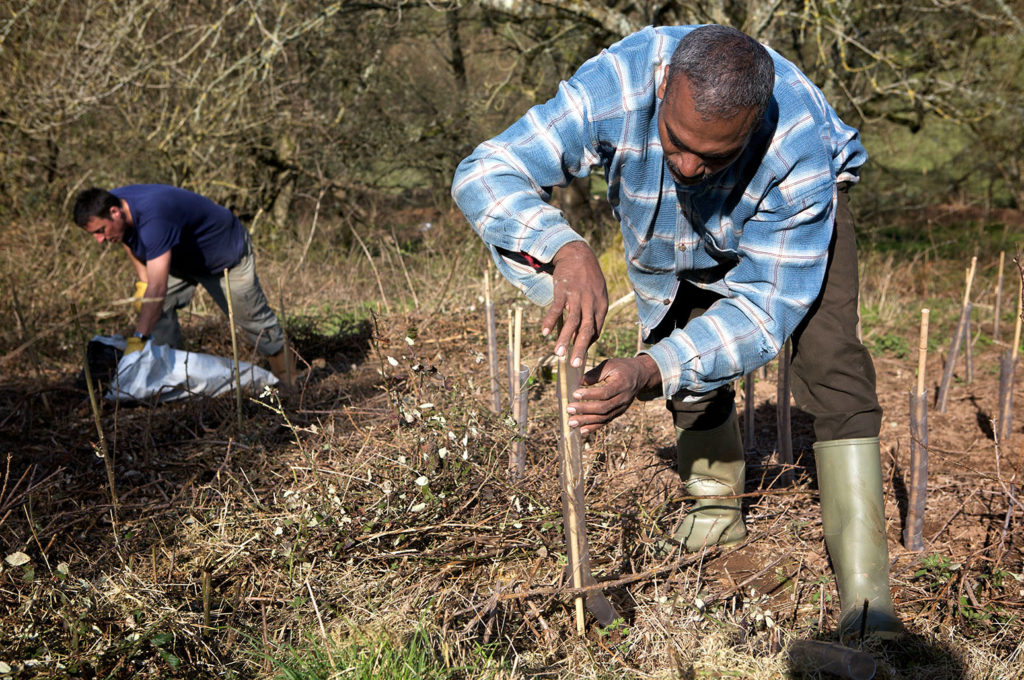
[(711, 463), (850, 485)]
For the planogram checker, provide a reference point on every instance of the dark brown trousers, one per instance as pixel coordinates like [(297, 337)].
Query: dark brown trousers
[(832, 376)]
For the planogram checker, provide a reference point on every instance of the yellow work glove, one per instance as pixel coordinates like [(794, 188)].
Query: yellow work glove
[(140, 292), (133, 344)]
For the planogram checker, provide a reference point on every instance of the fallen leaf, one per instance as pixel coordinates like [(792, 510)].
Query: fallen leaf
[(17, 559)]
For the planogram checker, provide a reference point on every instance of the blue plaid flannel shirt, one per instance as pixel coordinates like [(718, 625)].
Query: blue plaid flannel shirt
[(756, 233)]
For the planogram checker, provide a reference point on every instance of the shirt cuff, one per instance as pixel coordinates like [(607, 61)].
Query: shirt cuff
[(668, 366)]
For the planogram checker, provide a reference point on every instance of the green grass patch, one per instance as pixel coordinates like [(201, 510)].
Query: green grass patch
[(371, 656), (890, 343)]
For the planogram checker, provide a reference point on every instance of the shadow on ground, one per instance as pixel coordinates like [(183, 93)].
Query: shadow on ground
[(893, 659)]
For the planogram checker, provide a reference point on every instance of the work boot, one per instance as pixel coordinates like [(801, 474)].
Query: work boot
[(850, 485), (282, 365), (711, 463)]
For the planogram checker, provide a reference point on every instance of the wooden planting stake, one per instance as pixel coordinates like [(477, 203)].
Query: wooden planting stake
[(234, 350), (999, 296), (572, 470), (286, 346), (1007, 371), (1006, 380), (912, 532), (492, 344), (517, 352), (968, 342), (922, 352), (517, 453), (517, 463), (784, 428), (954, 350), (1015, 348), (968, 347), (508, 358), (573, 509), (748, 410)]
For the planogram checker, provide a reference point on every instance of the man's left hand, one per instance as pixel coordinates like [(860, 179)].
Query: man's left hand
[(607, 391)]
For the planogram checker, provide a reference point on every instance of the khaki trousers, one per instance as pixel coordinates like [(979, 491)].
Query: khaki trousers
[(252, 314)]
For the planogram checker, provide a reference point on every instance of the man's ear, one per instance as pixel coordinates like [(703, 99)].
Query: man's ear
[(664, 82)]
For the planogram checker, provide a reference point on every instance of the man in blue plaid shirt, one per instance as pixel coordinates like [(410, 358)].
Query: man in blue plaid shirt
[(728, 172)]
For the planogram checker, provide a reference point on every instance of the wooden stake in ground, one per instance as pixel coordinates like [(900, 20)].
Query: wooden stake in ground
[(289, 365), (968, 341), (517, 352), (954, 350), (784, 428), (572, 471), (1015, 347), (1004, 424), (748, 411), (510, 378), (968, 347), (1007, 372), (573, 509), (492, 344), (912, 532), (234, 350), (517, 462), (517, 453), (999, 296)]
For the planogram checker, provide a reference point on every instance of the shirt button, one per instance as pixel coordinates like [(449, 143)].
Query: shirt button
[(682, 247), (666, 301)]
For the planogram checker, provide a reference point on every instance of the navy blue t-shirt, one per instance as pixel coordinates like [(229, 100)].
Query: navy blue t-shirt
[(203, 237)]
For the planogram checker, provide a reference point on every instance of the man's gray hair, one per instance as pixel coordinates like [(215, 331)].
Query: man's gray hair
[(728, 71)]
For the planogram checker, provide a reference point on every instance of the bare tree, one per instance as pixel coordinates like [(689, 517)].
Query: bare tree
[(258, 103)]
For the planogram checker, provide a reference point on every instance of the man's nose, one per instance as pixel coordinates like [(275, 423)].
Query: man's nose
[(689, 165)]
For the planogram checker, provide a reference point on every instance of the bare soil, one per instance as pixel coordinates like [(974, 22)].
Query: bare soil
[(377, 497)]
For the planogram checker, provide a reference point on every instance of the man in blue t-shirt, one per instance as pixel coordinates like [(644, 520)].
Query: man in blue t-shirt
[(176, 240)]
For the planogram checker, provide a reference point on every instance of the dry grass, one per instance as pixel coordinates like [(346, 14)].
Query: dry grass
[(372, 510)]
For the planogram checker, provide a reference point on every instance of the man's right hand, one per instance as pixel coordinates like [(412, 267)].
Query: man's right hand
[(581, 294)]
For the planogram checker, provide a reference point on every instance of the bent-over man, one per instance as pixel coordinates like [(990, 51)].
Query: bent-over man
[(176, 240), (729, 175)]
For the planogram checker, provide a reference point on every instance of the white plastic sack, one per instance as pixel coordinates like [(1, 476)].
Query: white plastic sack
[(158, 372)]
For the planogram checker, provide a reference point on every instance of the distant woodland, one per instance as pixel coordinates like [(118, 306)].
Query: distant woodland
[(276, 106)]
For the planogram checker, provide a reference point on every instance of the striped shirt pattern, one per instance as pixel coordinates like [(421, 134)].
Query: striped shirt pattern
[(756, 233)]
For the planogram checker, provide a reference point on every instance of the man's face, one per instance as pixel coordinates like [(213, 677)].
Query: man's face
[(695, 148), (107, 229)]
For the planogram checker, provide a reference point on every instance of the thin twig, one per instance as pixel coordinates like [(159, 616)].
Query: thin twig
[(320, 621), (108, 462), (401, 262), (373, 266), (312, 229)]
